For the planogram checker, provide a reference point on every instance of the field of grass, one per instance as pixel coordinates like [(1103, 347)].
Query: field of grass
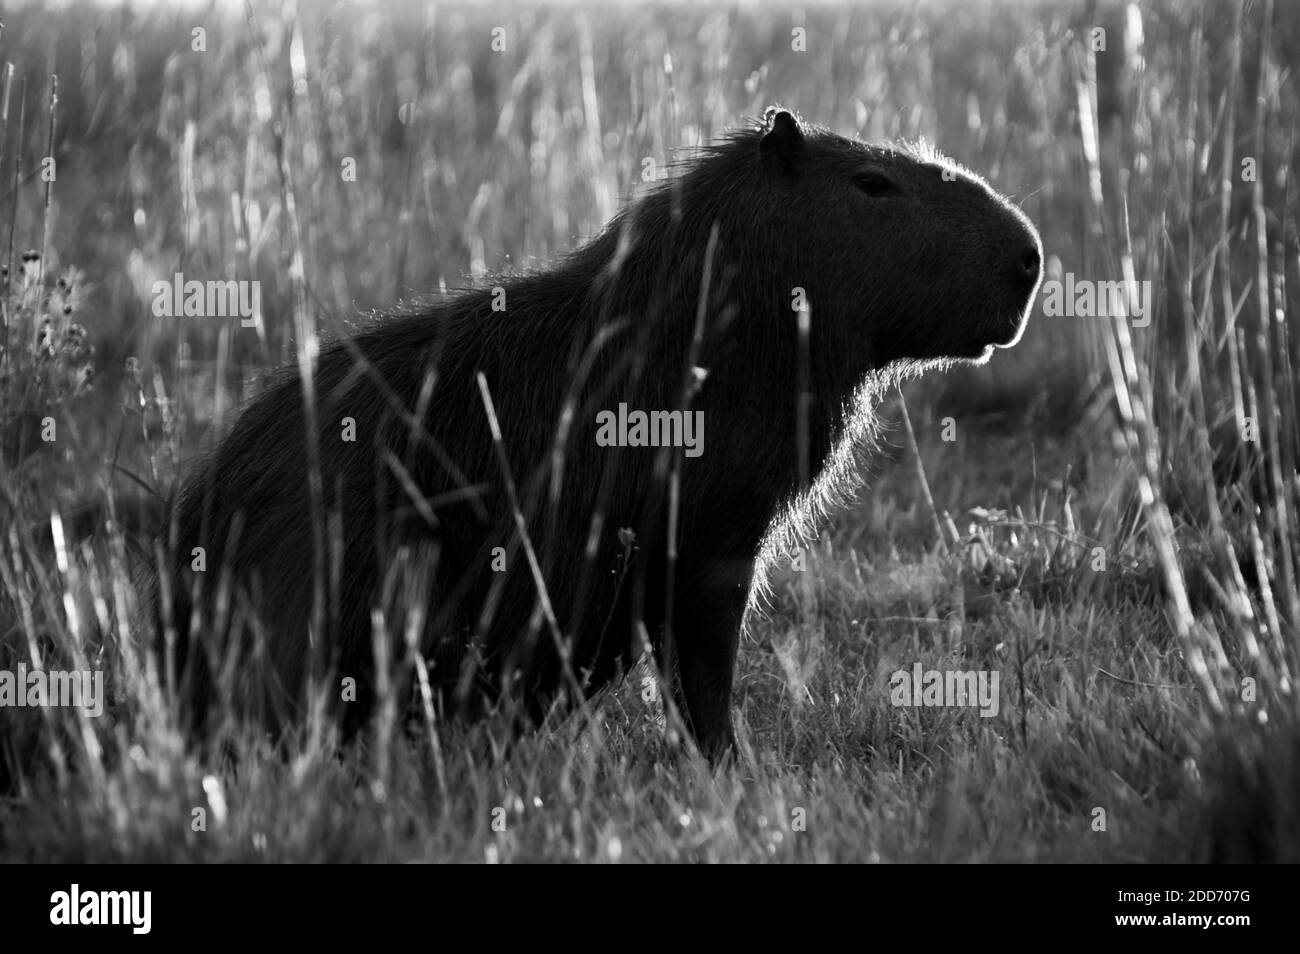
[(1106, 515)]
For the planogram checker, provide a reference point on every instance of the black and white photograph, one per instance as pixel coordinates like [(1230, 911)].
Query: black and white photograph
[(660, 432)]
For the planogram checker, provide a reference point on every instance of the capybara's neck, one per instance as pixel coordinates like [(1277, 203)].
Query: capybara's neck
[(678, 263)]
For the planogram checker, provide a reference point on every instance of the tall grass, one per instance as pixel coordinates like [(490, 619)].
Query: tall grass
[(1208, 409)]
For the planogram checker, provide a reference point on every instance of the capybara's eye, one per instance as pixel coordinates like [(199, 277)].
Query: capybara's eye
[(875, 184)]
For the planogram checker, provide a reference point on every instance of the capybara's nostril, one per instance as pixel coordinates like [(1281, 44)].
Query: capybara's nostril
[(1031, 263), (1026, 267)]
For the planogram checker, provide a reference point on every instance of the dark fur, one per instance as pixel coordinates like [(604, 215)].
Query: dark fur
[(935, 271)]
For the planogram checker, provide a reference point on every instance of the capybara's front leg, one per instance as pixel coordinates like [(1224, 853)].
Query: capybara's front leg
[(706, 635)]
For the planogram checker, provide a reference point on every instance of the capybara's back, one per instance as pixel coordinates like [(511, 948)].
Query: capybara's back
[(526, 482)]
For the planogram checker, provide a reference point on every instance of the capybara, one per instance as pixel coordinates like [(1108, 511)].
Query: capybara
[(501, 510)]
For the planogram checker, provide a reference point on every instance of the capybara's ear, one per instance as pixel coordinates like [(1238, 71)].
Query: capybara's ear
[(782, 141)]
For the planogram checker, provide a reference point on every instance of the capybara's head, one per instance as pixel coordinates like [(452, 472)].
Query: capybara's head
[(909, 255)]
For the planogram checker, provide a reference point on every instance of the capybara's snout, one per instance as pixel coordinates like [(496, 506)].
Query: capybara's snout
[(1023, 270)]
